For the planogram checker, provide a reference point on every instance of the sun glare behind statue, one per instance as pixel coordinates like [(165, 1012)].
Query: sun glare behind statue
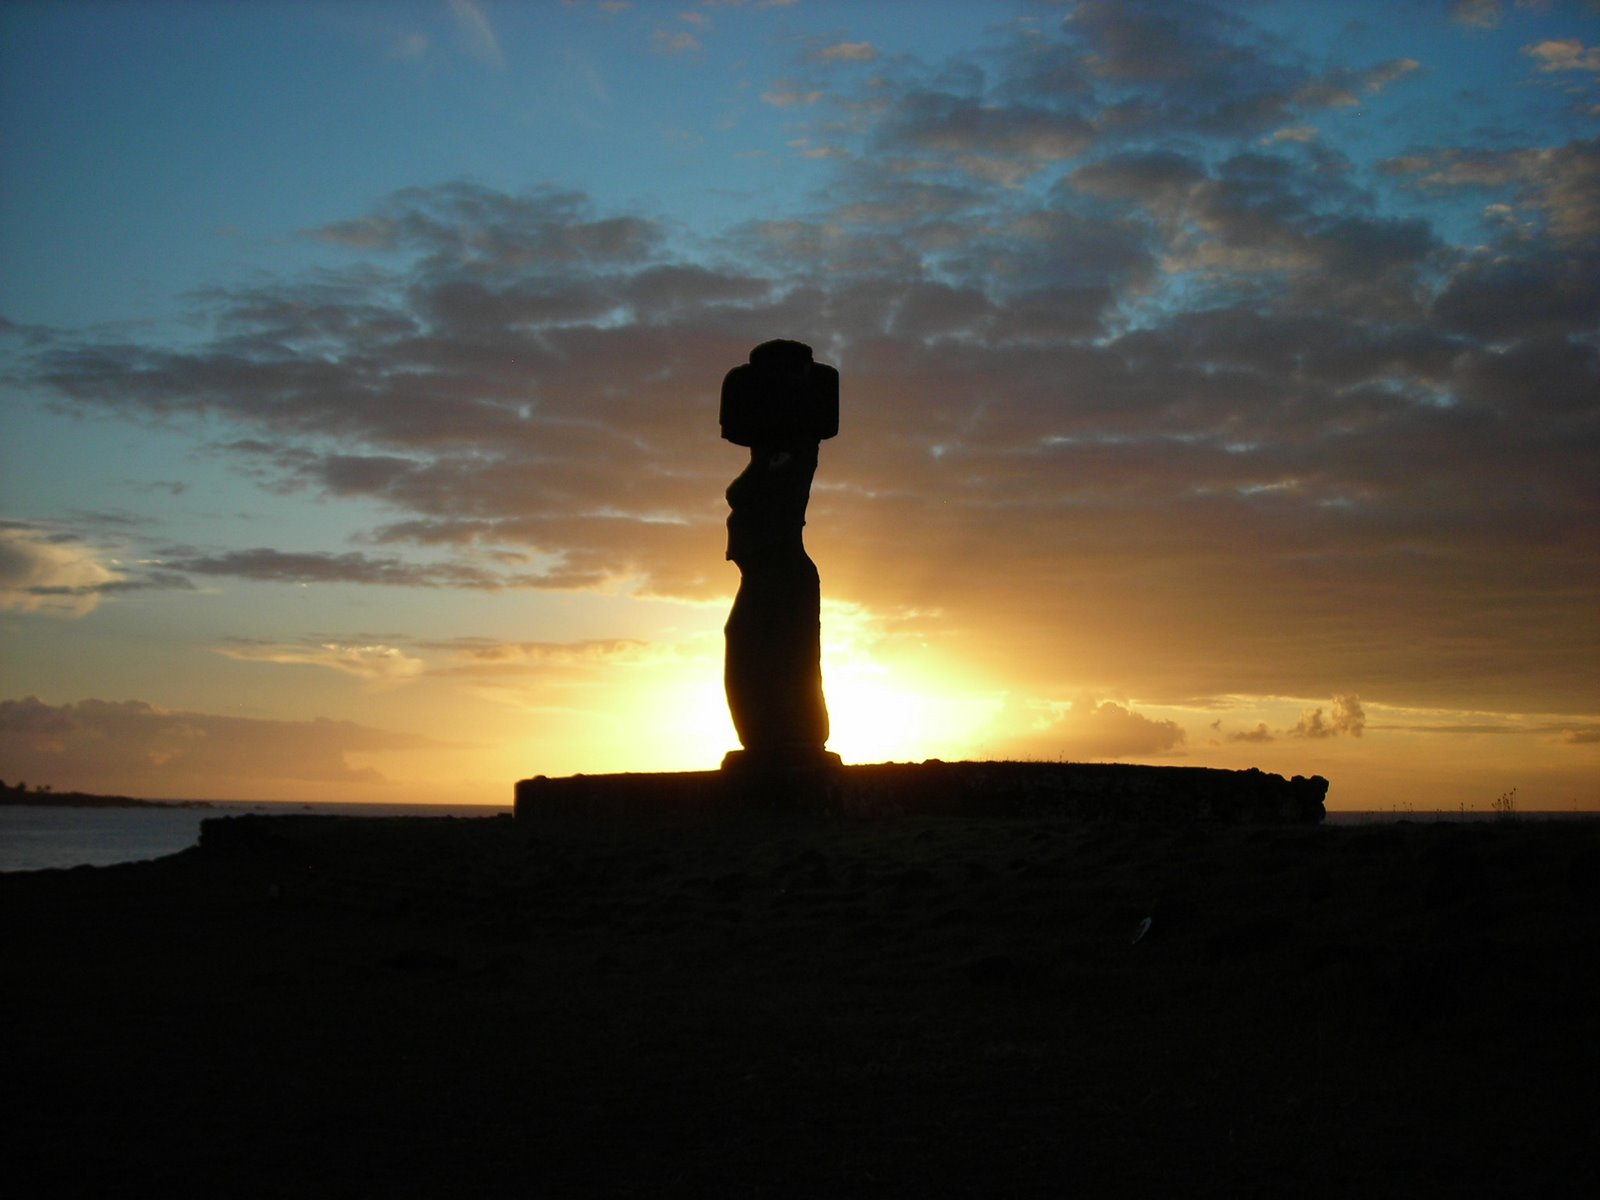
[(879, 711), (884, 713)]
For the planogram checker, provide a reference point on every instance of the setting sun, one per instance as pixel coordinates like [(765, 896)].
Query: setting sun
[(1208, 384)]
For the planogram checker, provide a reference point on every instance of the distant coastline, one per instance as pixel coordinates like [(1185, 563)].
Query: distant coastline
[(19, 795)]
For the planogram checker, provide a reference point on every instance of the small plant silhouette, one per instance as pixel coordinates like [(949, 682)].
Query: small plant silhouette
[(1506, 806)]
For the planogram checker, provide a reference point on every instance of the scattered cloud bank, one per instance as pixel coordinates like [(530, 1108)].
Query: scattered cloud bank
[(1105, 729), (1346, 718), (134, 747), (1148, 385), (1259, 734), (395, 658)]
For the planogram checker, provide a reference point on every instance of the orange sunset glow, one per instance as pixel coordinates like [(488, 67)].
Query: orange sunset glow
[(1219, 388)]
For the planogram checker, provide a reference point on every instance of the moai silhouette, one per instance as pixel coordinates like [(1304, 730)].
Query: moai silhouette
[(781, 404)]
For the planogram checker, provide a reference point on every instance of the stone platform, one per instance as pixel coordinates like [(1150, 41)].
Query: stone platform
[(1083, 791)]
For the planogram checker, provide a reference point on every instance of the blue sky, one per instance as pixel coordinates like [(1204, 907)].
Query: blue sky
[(1207, 368)]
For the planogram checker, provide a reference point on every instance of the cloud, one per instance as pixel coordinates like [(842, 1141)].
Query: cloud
[(785, 95), (1133, 400), (1004, 144), (1259, 734), (386, 659), (1347, 717), (47, 572), (1560, 183), (370, 661), (135, 747), (477, 35), (470, 228), (1346, 88), (861, 52), (1105, 729), (1478, 14), (485, 657), (279, 566), (1567, 54)]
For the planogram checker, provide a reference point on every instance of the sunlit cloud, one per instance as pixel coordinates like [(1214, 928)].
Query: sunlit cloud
[(375, 662), (1346, 717), (1087, 728), (1568, 54), (50, 573), (487, 657)]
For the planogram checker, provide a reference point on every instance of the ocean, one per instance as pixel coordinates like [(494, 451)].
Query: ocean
[(44, 837)]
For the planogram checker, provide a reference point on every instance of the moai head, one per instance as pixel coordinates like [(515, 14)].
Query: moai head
[(780, 398)]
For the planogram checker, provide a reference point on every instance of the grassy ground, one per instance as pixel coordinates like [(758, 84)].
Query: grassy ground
[(769, 1007)]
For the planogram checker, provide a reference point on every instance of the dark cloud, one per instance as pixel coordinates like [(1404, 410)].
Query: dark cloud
[(1003, 144), (1558, 184), (131, 746), (464, 226), (1499, 299), (1202, 68)]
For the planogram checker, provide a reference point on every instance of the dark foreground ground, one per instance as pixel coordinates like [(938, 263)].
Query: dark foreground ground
[(930, 1006)]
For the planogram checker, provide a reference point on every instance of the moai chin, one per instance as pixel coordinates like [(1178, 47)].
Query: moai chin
[(781, 404)]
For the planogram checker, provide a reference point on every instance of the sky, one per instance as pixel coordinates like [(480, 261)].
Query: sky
[(1220, 387)]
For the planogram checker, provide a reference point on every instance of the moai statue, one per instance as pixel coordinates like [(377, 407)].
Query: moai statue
[(780, 404)]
